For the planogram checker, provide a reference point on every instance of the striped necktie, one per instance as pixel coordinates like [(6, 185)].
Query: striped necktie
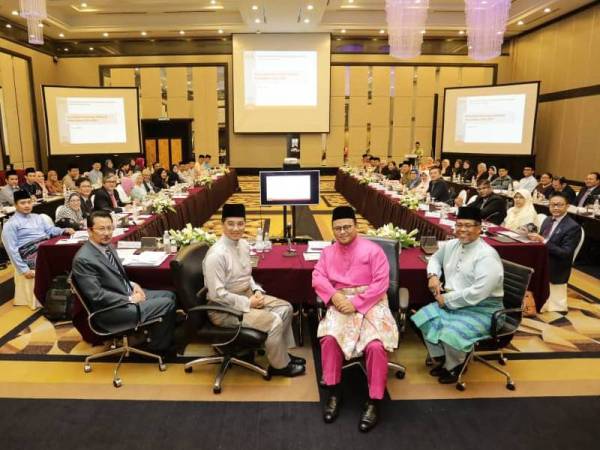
[(113, 261)]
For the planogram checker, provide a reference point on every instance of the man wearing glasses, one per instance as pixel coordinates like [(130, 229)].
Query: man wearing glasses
[(464, 304), (492, 206), (228, 276), (352, 278), (107, 198)]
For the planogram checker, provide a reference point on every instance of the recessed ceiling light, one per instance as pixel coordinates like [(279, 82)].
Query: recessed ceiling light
[(254, 7), (374, 39), (350, 1), (8, 25), (143, 33), (105, 34), (470, 47), (181, 32), (423, 31), (213, 2), (461, 32), (41, 25), (91, 49), (66, 49), (338, 39), (220, 31), (498, 33), (547, 10), (343, 31), (61, 35), (520, 22), (14, 12), (310, 7), (84, 5), (381, 31), (307, 20), (257, 20)]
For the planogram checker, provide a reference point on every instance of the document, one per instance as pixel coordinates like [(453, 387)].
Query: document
[(145, 259)]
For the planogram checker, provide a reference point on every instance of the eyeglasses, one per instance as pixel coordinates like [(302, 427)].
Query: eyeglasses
[(342, 228)]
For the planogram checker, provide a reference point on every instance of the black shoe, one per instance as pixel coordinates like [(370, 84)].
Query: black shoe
[(437, 371), (450, 376), (368, 418), (291, 370), (332, 408), (297, 359)]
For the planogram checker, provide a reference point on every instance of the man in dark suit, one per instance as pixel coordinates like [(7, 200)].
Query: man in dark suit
[(559, 184), (438, 188), (84, 187), (590, 192), (107, 198), (492, 206), (103, 282), (562, 235)]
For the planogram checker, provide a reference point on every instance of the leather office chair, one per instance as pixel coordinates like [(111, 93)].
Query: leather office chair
[(391, 248), (505, 322), (231, 345), (118, 334)]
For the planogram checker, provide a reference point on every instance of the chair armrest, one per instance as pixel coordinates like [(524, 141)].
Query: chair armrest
[(92, 316), (224, 309), (500, 313)]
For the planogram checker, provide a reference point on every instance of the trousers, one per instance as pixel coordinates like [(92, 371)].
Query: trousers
[(453, 357), (376, 362)]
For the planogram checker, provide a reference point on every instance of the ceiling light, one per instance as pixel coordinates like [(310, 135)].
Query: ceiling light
[(547, 10), (350, 1), (8, 25), (257, 20), (143, 33), (343, 31), (61, 35), (310, 7), (422, 31), (66, 49), (381, 31), (181, 32), (220, 31), (213, 2), (254, 8), (338, 39), (461, 32), (15, 13), (41, 25), (84, 5), (91, 49), (105, 34), (520, 22), (307, 20)]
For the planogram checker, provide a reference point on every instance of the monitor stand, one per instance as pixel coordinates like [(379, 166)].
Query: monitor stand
[(289, 231)]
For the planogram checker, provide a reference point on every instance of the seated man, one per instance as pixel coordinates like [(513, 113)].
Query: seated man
[(528, 181), (22, 235), (71, 177), (561, 234), (12, 185), (101, 278), (31, 186), (438, 188), (504, 181), (590, 192), (559, 184), (84, 188), (472, 292), (492, 206), (228, 277), (107, 198), (352, 278)]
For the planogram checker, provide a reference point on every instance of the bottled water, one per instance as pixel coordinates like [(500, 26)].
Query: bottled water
[(166, 242)]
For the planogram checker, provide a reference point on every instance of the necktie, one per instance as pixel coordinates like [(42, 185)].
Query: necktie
[(116, 265), (548, 230), (113, 199), (584, 198)]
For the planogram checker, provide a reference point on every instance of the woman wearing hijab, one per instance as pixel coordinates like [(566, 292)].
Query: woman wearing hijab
[(492, 173), (138, 192), (457, 170), (482, 172), (109, 167), (468, 173), (70, 214), (523, 213), (423, 186)]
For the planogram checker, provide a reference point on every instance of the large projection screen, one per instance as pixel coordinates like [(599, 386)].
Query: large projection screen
[(281, 83), (494, 120), (83, 121)]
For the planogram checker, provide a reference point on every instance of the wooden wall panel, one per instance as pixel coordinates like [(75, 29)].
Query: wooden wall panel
[(357, 142), (150, 150), (423, 135), (25, 112), (378, 112), (335, 146), (359, 84), (424, 111), (425, 81), (380, 137), (163, 153), (310, 149), (205, 125), (176, 151), (150, 82), (13, 138), (337, 112), (381, 81), (403, 111), (338, 81), (358, 112), (122, 77), (403, 81), (401, 142)]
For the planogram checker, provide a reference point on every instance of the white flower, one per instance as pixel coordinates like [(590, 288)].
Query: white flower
[(391, 232)]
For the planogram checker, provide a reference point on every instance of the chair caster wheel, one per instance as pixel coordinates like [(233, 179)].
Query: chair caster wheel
[(400, 375), (87, 368), (117, 383), (267, 377), (460, 386), (510, 386), (188, 369), (216, 389), (162, 367)]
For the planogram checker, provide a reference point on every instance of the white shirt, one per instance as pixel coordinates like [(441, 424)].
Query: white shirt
[(529, 183), (554, 225)]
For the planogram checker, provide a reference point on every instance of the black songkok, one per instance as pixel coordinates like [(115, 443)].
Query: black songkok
[(343, 212), (469, 213), (233, 210), (22, 195)]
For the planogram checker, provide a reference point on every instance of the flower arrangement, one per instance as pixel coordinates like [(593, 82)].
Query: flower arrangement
[(410, 201), (366, 179), (204, 181), (398, 234), (161, 203), (190, 235)]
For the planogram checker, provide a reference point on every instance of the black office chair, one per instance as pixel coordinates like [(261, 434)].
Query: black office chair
[(119, 335), (398, 308), (505, 322), (231, 345)]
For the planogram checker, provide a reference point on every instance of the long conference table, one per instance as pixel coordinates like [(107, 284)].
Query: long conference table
[(380, 209)]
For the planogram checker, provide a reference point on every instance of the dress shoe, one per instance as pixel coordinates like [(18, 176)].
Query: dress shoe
[(332, 408), (368, 418), (291, 370), (450, 376), (437, 371), (297, 359)]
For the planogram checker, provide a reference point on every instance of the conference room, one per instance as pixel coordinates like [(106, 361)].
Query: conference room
[(300, 223)]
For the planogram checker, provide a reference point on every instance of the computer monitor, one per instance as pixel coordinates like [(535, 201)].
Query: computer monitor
[(294, 187)]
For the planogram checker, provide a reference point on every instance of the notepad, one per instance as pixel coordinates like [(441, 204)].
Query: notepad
[(311, 256), (317, 246), (145, 259)]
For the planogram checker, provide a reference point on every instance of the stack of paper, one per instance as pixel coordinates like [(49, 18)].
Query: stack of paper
[(317, 246), (145, 259)]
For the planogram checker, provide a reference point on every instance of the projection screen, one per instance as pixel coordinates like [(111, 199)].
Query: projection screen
[(281, 83), (495, 120), (82, 120)]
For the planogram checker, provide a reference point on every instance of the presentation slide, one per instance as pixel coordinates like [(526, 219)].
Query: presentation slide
[(280, 78), (281, 83), (92, 120), (286, 188), (490, 120)]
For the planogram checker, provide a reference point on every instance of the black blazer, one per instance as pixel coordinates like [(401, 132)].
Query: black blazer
[(102, 201), (86, 206), (567, 192), (493, 208), (439, 190), (591, 198), (561, 247)]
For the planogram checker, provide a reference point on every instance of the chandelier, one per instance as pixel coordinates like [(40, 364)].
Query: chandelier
[(486, 24), (34, 11), (406, 24)]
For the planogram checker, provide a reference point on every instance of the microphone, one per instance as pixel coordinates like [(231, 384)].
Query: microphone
[(290, 251)]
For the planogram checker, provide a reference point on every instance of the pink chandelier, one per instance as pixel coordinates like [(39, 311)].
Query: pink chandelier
[(486, 24), (406, 25)]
